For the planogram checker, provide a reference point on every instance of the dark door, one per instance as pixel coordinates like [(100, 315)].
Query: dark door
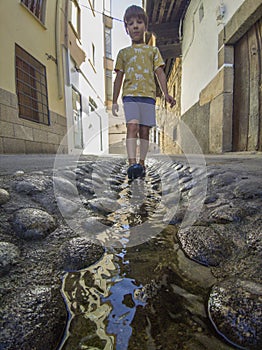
[(247, 124)]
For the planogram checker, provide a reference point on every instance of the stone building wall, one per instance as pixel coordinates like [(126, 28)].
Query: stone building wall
[(19, 135)]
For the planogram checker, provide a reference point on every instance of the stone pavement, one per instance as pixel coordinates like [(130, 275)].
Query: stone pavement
[(9, 164), (223, 246)]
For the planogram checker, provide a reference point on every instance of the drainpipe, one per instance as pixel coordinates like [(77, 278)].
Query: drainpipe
[(58, 49)]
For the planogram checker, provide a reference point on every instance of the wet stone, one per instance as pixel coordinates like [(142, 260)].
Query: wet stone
[(33, 224), (86, 187), (223, 180), (67, 207), (30, 186), (94, 225), (204, 245), (211, 198), (65, 186), (235, 310), (227, 213), (35, 310), (248, 189), (79, 253), (111, 194), (4, 196), (9, 254), (254, 236), (104, 205)]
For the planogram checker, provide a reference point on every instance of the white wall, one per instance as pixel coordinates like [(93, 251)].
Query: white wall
[(200, 46), (90, 82)]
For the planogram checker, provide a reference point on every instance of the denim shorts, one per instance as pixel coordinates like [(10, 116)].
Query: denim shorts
[(141, 109)]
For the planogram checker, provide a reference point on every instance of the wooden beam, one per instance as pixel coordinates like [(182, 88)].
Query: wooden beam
[(165, 30), (170, 50), (162, 11), (155, 11), (170, 10)]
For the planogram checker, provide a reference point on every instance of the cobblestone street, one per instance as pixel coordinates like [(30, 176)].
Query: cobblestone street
[(188, 238)]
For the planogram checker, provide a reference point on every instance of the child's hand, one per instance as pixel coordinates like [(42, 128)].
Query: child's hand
[(115, 109), (170, 100)]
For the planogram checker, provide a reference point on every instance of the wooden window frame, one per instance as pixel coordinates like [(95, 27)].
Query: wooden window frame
[(76, 28)]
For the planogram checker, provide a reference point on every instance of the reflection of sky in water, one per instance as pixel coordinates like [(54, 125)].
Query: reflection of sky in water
[(121, 316)]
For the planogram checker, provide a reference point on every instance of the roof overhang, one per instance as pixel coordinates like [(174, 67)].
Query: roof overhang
[(165, 19)]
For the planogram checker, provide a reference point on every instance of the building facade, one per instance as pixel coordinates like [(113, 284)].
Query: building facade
[(221, 74), (218, 77), (55, 70)]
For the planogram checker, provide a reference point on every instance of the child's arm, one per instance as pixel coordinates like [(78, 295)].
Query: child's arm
[(116, 91), (161, 77)]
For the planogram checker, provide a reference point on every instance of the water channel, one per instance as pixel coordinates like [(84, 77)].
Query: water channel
[(144, 293)]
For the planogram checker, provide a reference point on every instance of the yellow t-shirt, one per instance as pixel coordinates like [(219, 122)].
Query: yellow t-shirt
[(139, 62)]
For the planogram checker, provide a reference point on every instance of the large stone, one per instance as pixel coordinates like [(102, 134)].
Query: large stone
[(64, 186), (32, 223), (204, 245), (104, 205), (34, 320), (67, 207), (235, 310), (79, 253), (249, 189), (4, 196), (30, 185)]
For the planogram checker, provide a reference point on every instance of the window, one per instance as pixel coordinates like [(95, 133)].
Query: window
[(37, 7), (108, 42), (31, 87), (201, 12), (109, 84), (77, 118), (75, 17), (92, 104), (93, 54)]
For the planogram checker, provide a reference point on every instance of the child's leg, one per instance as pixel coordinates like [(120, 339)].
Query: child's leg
[(144, 142), (131, 140)]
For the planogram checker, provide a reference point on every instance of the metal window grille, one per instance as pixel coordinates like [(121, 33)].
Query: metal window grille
[(31, 88), (36, 7)]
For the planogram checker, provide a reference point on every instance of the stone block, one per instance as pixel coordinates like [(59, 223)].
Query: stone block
[(62, 120), (228, 84), (1, 146), (23, 132), (8, 114), (5, 97), (225, 55), (246, 15), (6, 129), (227, 122), (216, 125), (53, 138), (49, 148), (39, 135), (213, 89), (33, 147), (12, 145), (220, 130)]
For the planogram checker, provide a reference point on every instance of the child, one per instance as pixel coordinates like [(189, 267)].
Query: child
[(139, 63)]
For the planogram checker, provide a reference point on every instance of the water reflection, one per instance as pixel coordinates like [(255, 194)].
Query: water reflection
[(101, 300)]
